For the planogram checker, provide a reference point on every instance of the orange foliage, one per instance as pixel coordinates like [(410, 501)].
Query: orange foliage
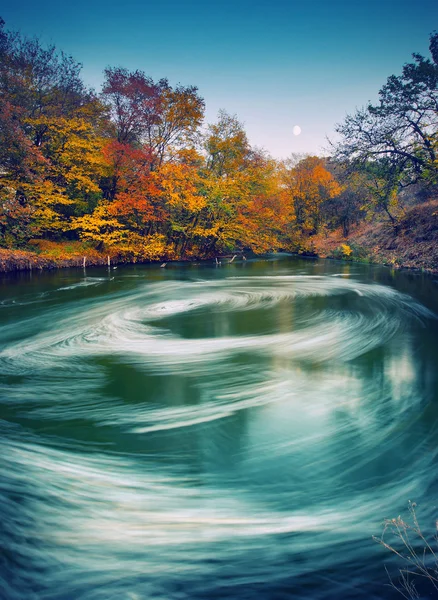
[(131, 173), (309, 184)]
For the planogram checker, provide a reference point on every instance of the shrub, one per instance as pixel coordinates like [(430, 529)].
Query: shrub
[(350, 252)]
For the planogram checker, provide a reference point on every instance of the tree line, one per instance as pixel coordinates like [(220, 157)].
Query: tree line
[(134, 169)]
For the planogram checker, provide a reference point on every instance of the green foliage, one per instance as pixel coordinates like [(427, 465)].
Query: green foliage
[(396, 140)]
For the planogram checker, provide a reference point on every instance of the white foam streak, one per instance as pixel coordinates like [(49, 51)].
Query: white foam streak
[(284, 405), (121, 326)]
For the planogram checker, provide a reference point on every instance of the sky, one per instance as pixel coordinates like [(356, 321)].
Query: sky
[(275, 65)]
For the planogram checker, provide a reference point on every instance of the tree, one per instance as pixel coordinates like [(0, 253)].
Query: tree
[(402, 129), (134, 102), (51, 137), (133, 188), (309, 184), (152, 114), (227, 146), (226, 183), (346, 209)]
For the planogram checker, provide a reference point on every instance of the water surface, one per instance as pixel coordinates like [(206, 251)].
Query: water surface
[(198, 432)]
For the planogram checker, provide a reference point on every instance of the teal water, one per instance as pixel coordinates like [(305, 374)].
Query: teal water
[(238, 431)]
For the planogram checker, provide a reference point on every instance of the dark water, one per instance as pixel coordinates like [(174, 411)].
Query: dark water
[(197, 432)]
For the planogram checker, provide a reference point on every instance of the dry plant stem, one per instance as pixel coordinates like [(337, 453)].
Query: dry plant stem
[(421, 565)]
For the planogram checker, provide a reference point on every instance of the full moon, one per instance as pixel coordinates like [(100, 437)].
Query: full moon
[(297, 130)]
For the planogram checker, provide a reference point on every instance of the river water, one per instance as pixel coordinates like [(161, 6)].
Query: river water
[(232, 432)]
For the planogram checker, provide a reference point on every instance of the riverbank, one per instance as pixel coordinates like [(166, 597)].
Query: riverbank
[(23, 260), (59, 255), (414, 245)]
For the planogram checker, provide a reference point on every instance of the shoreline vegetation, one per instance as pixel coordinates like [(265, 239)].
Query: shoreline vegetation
[(133, 173), (415, 246)]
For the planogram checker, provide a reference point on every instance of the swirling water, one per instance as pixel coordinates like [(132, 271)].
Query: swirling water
[(213, 432)]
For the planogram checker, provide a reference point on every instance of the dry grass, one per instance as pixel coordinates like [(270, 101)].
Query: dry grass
[(418, 556), (414, 244), (53, 255)]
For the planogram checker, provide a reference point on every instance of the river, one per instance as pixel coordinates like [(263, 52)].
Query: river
[(238, 431)]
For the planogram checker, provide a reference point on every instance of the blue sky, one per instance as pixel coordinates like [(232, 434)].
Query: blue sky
[(276, 65)]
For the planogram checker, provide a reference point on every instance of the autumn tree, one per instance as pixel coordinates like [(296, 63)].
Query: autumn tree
[(348, 208), (225, 182), (227, 146), (309, 184), (129, 171), (152, 114), (50, 129), (266, 212)]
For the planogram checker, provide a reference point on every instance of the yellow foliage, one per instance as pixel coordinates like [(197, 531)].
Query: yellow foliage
[(148, 247), (309, 184), (74, 151), (180, 184), (101, 227)]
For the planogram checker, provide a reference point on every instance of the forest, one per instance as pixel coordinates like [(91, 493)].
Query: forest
[(135, 173)]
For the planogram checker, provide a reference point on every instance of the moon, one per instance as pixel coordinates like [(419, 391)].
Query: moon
[(296, 130)]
